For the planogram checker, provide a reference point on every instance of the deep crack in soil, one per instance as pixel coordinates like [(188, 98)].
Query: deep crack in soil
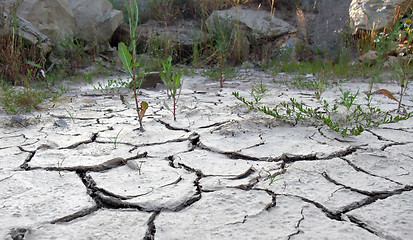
[(297, 225), (151, 230)]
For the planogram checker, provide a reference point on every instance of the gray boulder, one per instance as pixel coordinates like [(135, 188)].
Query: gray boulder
[(328, 26), (96, 20), (26, 30), (53, 18), (182, 35), (375, 14), (261, 24), (242, 26), (91, 20), (368, 58)]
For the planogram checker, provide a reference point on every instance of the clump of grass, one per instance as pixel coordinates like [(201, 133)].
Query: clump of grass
[(321, 68), (157, 9), (109, 86), (116, 139), (71, 115), (73, 55), (221, 73), (159, 46), (18, 100), (60, 166)]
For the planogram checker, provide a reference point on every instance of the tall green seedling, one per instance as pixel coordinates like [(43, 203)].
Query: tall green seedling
[(172, 81), (129, 61)]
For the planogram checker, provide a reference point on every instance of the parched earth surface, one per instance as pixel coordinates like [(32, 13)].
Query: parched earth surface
[(81, 169)]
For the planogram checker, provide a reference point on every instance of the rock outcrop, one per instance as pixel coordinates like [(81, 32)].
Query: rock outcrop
[(241, 26), (182, 35), (53, 18), (40, 20), (27, 31), (328, 25), (96, 21), (261, 24), (375, 14)]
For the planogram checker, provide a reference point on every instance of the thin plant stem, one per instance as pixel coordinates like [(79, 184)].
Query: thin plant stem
[(174, 99), (401, 96)]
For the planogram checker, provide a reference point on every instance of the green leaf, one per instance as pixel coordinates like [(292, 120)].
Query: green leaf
[(33, 64), (125, 57), (177, 79)]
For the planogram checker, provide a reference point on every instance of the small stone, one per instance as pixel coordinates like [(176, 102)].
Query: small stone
[(309, 75), (368, 58), (151, 80), (132, 164), (61, 123), (194, 138), (19, 120)]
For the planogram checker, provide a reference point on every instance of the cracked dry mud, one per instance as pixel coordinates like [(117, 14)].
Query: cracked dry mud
[(93, 175)]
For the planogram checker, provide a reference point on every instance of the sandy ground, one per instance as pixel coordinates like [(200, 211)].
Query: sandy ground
[(81, 169)]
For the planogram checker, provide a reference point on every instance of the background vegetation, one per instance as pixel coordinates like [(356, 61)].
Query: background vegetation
[(28, 77)]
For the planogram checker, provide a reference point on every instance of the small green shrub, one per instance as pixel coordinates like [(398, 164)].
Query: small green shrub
[(172, 81), (129, 60), (258, 91)]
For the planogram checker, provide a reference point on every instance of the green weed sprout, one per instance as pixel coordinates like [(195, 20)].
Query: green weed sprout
[(115, 140), (172, 81), (348, 99), (59, 167), (272, 177), (73, 117), (129, 61), (258, 91)]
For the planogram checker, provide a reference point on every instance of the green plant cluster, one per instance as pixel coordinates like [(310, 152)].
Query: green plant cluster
[(353, 120), (224, 51), (20, 100), (396, 41)]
